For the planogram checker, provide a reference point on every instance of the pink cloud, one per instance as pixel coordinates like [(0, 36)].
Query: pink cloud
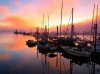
[(4, 10), (35, 10)]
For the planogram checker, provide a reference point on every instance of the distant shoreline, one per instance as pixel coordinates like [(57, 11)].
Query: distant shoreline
[(5, 32)]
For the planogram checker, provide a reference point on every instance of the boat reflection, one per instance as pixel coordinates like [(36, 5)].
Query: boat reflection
[(67, 64)]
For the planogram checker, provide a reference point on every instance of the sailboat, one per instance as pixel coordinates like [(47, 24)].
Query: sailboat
[(43, 41), (96, 38), (68, 41), (75, 51)]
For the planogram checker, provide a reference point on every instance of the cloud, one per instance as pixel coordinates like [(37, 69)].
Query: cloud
[(30, 12), (13, 22), (4, 10)]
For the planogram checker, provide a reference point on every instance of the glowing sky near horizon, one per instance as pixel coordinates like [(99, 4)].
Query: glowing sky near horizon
[(28, 13)]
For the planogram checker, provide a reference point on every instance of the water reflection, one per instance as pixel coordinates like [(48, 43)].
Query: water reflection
[(17, 58)]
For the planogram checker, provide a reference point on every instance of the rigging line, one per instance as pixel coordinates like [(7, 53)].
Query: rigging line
[(69, 22), (69, 19), (97, 15)]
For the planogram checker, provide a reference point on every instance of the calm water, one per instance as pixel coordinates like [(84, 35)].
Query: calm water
[(17, 58)]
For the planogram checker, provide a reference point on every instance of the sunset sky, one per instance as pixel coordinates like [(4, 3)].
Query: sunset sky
[(28, 14)]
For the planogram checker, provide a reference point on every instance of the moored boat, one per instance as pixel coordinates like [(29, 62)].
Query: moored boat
[(76, 52), (31, 43)]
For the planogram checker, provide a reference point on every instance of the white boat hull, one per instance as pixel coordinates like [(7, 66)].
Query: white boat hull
[(75, 52)]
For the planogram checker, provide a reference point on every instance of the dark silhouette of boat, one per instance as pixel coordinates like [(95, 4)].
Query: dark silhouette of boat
[(15, 32), (31, 43), (76, 51), (77, 60)]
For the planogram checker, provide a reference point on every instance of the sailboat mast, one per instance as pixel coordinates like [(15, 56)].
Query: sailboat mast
[(61, 17), (48, 24), (43, 23), (37, 28), (57, 32), (45, 29), (92, 31), (95, 28), (72, 26)]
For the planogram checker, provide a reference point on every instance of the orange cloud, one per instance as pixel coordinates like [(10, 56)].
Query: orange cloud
[(29, 14), (15, 22)]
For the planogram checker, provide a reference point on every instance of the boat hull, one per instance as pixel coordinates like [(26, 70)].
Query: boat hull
[(75, 53)]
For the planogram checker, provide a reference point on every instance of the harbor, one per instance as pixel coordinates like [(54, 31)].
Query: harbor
[(49, 37), (23, 59), (17, 57)]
